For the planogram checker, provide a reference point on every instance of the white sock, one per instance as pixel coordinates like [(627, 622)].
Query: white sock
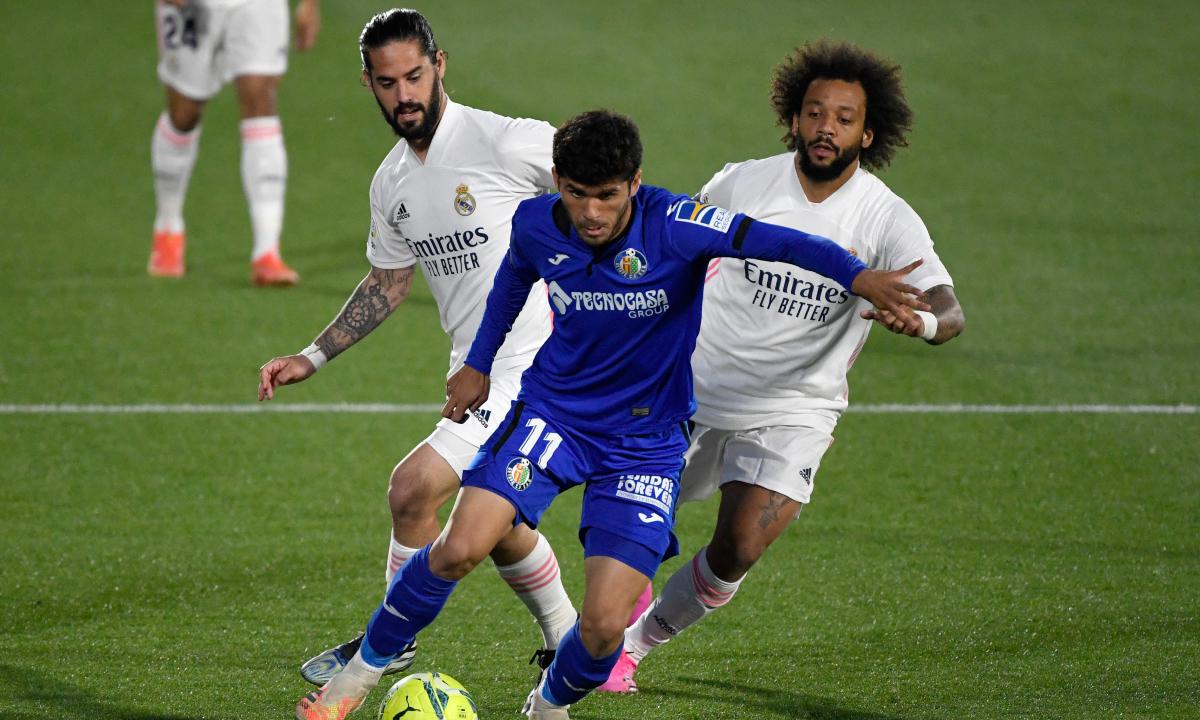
[(356, 681), (397, 555), (172, 156), (264, 177), (690, 594), (537, 581), (361, 669)]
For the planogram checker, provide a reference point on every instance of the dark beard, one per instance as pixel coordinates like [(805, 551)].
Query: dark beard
[(819, 173), (432, 113)]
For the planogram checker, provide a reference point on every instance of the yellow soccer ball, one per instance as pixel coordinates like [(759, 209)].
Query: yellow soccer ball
[(427, 696)]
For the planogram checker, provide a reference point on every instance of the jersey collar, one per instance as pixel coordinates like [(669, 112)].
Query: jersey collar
[(846, 189), (563, 223)]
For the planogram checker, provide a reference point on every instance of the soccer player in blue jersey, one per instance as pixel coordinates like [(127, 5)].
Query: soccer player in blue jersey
[(604, 404)]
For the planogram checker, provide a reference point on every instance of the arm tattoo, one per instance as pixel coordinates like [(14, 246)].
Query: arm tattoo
[(364, 312), (373, 300), (770, 510), (949, 313)]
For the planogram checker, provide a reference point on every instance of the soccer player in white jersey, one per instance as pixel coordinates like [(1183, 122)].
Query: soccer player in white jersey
[(442, 201), (776, 341), (202, 45)]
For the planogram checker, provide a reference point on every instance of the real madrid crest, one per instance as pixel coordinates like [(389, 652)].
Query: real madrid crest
[(631, 264), (464, 201)]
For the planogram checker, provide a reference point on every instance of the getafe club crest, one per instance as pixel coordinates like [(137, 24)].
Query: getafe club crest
[(519, 473), (464, 201), (631, 264)]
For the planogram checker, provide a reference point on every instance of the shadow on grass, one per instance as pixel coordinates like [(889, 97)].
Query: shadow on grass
[(37, 696), (736, 700)]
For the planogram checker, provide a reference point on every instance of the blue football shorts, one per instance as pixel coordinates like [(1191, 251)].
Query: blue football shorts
[(631, 481)]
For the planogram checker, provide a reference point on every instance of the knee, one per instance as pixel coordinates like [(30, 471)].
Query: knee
[(515, 546), (453, 558), (184, 119), (413, 498), (256, 96), (603, 633), (731, 557)]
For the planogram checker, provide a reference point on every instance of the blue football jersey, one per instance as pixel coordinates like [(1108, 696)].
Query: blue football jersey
[(618, 361)]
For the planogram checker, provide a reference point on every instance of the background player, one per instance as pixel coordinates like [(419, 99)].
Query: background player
[(776, 341), (443, 200), (625, 267), (202, 44)]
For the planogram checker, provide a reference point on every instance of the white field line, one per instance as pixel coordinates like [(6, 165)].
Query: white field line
[(890, 408), (424, 408), (238, 409)]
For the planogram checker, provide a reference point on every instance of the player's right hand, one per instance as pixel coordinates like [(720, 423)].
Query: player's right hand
[(466, 391), (888, 292), (282, 371), (308, 24)]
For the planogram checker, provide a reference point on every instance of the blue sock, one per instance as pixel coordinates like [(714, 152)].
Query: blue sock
[(413, 600), (574, 672)]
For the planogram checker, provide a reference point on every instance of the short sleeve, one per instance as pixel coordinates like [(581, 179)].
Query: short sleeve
[(386, 248), (525, 152), (906, 240), (716, 190)]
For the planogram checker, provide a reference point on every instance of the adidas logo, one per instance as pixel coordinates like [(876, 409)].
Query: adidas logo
[(666, 626), (400, 214), (806, 475)]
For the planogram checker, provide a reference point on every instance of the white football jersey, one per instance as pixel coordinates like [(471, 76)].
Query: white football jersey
[(452, 216), (776, 341)]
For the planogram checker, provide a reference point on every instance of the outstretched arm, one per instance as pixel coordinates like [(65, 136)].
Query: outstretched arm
[(379, 293), (943, 322), (887, 291)]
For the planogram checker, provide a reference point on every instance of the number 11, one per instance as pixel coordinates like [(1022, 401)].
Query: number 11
[(553, 440)]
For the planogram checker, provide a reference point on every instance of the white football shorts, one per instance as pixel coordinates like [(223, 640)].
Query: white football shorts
[(458, 443), (780, 458), (202, 46)]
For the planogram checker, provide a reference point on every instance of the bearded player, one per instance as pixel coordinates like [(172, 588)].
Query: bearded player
[(443, 201), (604, 404), (776, 341)]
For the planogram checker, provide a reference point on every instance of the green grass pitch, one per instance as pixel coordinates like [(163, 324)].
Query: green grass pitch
[(180, 567)]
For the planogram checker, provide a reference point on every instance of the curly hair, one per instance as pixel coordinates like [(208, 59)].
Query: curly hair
[(596, 147), (888, 116)]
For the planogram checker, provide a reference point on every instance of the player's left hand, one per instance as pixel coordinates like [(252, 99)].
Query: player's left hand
[(900, 326), (888, 292), (308, 24), (466, 391)]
